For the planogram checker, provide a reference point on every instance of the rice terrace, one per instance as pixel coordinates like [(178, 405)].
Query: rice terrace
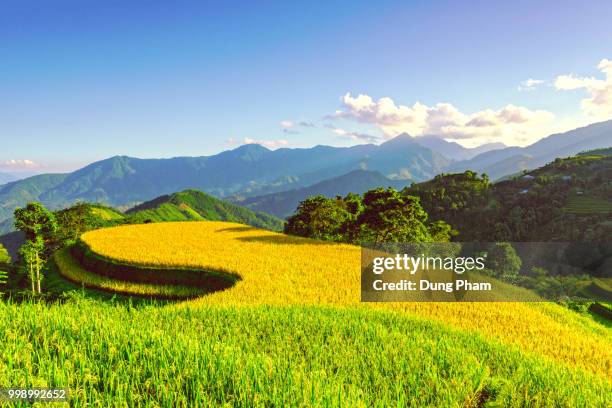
[(291, 329)]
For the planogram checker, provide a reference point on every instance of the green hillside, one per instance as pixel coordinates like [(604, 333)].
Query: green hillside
[(567, 200), (588, 205), (194, 205)]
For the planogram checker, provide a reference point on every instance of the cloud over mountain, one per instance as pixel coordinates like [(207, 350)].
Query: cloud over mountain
[(510, 124)]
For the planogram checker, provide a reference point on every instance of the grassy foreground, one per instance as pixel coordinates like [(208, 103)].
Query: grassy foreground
[(113, 354)]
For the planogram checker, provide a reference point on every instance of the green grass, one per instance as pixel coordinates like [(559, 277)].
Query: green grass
[(107, 214), (166, 212), (587, 205), (113, 354)]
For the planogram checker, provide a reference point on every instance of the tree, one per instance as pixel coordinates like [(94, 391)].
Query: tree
[(441, 232), (73, 221), (39, 226), (538, 272), (36, 221), (5, 258), (320, 218), (503, 260), (5, 261), (31, 253), (382, 215), (389, 216)]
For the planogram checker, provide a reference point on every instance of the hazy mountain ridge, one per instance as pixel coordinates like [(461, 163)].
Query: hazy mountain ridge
[(455, 151), (283, 204), (499, 163)]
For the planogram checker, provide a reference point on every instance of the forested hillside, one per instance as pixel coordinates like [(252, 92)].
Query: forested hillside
[(567, 200)]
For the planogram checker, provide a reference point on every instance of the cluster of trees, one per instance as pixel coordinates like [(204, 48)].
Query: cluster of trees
[(458, 199), (380, 215), (45, 232)]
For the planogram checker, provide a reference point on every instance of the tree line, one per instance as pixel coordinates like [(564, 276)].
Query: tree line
[(380, 215)]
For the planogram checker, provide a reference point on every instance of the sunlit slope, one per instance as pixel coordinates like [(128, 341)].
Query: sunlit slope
[(273, 356), (281, 270)]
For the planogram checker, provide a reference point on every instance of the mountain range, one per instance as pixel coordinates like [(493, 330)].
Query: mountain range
[(511, 160), (247, 170), (253, 170)]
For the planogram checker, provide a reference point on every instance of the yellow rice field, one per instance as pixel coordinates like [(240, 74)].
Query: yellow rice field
[(281, 270)]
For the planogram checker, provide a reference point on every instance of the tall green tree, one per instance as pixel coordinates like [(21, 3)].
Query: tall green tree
[(31, 253), (40, 227), (5, 263), (381, 216)]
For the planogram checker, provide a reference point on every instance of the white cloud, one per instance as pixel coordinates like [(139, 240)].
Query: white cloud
[(530, 84), (20, 164), (356, 136), (599, 103), (289, 125), (512, 125)]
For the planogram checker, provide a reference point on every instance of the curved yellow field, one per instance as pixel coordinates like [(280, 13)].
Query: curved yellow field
[(281, 270)]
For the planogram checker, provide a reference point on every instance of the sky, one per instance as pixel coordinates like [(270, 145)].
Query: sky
[(81, 81)]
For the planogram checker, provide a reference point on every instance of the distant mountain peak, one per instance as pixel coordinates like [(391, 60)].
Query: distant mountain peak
[(248, 152), (454, 150), (403, 139), (251, 147)]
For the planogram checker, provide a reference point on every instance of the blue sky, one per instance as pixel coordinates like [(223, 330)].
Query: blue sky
[(85, 80)]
